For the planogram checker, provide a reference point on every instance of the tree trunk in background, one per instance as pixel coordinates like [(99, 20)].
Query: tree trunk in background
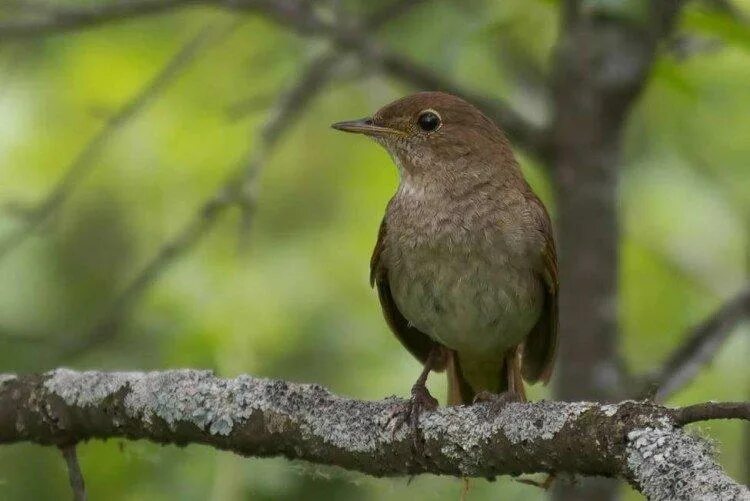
[(601, 65), (746, 428), (586, 157)]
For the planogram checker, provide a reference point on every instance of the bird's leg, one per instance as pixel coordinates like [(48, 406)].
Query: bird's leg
[(420, 395), (420, 400)]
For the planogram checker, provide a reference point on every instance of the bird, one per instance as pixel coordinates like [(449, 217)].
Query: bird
[(465, 265)]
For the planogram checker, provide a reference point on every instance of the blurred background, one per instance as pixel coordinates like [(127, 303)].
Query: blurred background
[(171, 195)]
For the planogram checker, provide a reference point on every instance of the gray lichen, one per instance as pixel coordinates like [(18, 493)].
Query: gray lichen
[(610, 410), (664, 462), (85, 388), (464, 432), (192, 396), (217, 405), (669, 464), (4, 378)]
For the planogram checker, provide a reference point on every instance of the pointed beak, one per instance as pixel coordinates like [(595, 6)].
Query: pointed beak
[(365, 126)]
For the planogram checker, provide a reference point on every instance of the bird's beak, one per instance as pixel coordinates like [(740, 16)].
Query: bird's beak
[(365, 126)]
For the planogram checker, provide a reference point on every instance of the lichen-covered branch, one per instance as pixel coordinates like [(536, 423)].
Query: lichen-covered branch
[(638, 441), (711, 410)]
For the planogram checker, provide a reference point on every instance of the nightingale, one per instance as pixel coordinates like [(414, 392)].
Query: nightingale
[(465, 264)]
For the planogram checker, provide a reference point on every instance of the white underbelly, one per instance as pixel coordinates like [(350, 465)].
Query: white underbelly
[(485, 307)]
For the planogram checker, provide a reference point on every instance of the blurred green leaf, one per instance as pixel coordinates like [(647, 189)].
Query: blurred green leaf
[(721, 25)]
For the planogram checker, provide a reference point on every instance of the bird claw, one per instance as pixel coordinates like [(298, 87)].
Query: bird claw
[(411, 410)]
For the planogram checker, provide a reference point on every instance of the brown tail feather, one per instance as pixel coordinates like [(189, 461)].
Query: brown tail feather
[(511, 378), (514, 374), (459, 391)]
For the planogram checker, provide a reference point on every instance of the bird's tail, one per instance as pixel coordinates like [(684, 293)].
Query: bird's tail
[(460, 391)]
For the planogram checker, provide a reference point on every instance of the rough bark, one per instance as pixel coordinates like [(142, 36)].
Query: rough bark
[(637, 441), (601, 65)]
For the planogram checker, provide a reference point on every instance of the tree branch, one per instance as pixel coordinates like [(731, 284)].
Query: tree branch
[(81, 165), (712, 410), (75, 476), (299, 16), (638, 441), (238, 189), (61, 20), (698, 349)]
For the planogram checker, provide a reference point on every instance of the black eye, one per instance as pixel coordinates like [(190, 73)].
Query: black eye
[(428, 121)]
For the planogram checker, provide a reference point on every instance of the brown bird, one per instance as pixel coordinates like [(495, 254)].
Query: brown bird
[(465, 264)]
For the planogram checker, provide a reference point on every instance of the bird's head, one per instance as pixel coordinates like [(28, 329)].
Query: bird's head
[(431, 131)]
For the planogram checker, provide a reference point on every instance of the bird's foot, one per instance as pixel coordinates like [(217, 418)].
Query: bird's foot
[(497, 401), (409, 412)]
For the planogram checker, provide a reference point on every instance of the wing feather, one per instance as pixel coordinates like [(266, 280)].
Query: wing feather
[(540, 346), (414, 340)]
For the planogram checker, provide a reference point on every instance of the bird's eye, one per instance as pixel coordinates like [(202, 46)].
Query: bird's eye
[(429, 121)]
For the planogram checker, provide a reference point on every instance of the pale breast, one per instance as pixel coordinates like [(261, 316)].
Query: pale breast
[(459, 274)]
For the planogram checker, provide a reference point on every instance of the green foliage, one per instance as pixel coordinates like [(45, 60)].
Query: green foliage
[(723, 25)]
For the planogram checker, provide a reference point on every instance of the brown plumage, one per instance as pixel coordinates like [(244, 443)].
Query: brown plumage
[(465, 264)]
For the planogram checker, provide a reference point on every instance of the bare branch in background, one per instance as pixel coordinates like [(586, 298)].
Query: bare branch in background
[(64, 19), (239, 189), (532, 137), (711, 410), (313, 78), (298, 15), (75, 476), (389, 11), (638, 441), (37, 215), (664, 17), (372, 23), (728, 7), (699, 348), (685, 46)]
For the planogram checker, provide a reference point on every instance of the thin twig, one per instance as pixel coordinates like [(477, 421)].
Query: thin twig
[(729, 8), (75, 475), (83, 162), (298, 15), (711, 410), (389, 11), (239, 189), (372, 23), (61, 20), (313, 78), (698, 349)]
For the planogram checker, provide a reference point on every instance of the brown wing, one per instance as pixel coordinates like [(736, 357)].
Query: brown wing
[(541, 343), (414, 340)]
